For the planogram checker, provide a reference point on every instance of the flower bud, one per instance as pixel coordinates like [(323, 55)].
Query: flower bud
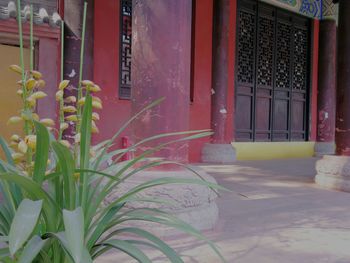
[(94, 98), (97, 105), (30, 84), (22, 147), (69, 109), (94, 128), (95, 116), (16, 69), (72, 118), (81, 101), (87, 83), (14, 119), (94, 88), (63, 126), (64, 84), (36, 74), (20, 92), (38, 95), (70, 99), (15, 138), (31, 101), (59, 95), (47, 122), (17, 157), (35, 116), (41, 83), (30, 140)]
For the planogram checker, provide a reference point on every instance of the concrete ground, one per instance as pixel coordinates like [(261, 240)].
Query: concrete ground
[(284, 218)]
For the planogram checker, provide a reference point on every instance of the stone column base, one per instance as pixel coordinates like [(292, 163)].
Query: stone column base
[(194, 204), (333, 172), (324, 148), (218, 153)]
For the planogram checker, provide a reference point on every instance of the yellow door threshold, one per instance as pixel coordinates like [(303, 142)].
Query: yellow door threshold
[(273, 150)]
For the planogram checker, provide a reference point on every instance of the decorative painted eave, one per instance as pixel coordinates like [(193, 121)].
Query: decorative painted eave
[(39, 18)]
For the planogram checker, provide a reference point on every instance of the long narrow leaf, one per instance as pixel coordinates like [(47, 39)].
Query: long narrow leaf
[(23, 223), (32, 249), (74, 232), (41, 153)]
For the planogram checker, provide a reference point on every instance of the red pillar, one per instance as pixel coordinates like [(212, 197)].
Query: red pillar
[(326, 97), (161, 68), (342, 136), (220, 69)]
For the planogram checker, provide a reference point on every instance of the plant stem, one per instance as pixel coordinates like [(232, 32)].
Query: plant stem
[(80, 92), (25, 103)]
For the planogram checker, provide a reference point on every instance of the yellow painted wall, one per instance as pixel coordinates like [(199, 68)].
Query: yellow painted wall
[(10, 102), (273, 150)]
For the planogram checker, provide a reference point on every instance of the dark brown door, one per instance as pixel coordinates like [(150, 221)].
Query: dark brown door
[(272, 73)]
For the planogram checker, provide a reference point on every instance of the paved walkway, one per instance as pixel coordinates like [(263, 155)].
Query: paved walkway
[(284, 218)]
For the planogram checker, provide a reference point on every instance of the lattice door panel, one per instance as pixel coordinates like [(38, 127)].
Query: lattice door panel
[(272, 73)]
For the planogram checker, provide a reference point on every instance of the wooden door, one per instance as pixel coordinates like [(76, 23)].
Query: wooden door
[(272, 73)]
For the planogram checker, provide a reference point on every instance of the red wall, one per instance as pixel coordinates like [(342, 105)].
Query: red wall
[(106, 69), (200, 110)]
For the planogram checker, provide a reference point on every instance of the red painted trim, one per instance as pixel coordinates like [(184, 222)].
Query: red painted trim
[(229, 133), (43, 31), (314, 88)]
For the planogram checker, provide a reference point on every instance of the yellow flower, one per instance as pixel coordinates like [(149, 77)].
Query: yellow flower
[(97, 105), (64, 84), (13, 144), (38, 95), (36, 74), (14, 119), (72, 118), (81, 101), (70, 99), (65, 143), (17, 157), (41, 83), (16, 69), (94, 128), (22, 147), (15, 138), (63, 126), (77, 138), (95, 88), (87, 83), (59, 95), (30, 140), (95, 116), (70, 109), (30, 84), (47, 122)]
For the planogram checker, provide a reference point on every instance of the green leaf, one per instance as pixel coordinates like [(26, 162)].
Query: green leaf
[(23, 224), (7, 151), (74, 232), (42, 152), (32, 249), (160, 245), (128, 248), (85, 132), (67, 166)]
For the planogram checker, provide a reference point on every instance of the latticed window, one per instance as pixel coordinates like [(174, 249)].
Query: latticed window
[(125, 49)]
